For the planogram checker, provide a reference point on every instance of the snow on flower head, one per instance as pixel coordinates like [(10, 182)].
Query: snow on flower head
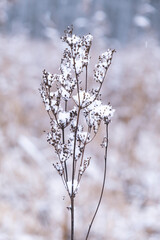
[(80, 47), (97, 112), (84, 97), (75, 110), (73, 40), (88, 40), (103, 65), (48, 78)]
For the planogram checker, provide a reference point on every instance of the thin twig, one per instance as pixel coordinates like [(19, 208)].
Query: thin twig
[(65, 105), (65, 164), (86, 83), (73, 176), (103, 184), (81, 162)]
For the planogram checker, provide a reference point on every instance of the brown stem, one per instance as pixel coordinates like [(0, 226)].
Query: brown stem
[(86, 79), (65, 164), (72, 217), (73, 176), (65, 105), (103, 184), (81, 162)]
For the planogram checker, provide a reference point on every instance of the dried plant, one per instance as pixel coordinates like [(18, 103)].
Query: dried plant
[(76, 112)]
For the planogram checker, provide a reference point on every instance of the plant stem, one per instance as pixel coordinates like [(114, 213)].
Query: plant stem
[(65, 164), (72, 217), (65, 105), (73, 176), (103, 184), (86, 79)]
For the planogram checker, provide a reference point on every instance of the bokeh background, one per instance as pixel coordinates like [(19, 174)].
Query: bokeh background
[(33, 202)]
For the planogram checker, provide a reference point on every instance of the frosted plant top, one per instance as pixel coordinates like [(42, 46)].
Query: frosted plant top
[(75, 110)]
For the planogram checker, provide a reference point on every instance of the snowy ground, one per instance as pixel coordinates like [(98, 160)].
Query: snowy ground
[(32, 198)]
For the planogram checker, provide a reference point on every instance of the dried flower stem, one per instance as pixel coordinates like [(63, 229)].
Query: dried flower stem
[(103, 184), (65, 164), (67, 134), (73, 177), (86, 83)]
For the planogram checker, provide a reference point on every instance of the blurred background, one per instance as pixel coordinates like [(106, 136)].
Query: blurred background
[(33, 202)]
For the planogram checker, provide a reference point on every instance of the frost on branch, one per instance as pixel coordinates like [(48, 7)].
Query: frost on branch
[(75, 113), (79, 49), (103, 65)]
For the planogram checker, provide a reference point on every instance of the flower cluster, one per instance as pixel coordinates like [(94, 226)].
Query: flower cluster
[(103, 65), (79, 49), (97, 112), (75, 113)]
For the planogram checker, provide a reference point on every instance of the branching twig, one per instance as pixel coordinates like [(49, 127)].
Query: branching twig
[(67, 134)]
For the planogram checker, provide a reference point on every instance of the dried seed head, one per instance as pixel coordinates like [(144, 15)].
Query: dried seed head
[(73, 127)]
